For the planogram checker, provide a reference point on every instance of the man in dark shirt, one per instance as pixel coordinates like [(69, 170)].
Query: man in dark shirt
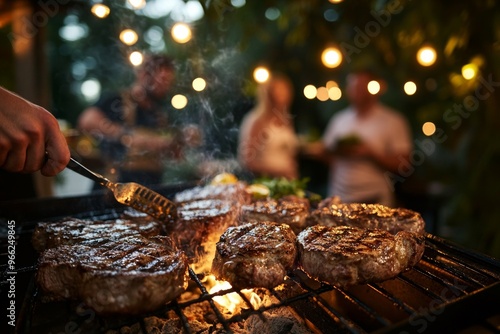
[(132, 127)]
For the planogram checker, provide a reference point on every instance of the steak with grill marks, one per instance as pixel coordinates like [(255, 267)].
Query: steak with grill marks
[(372, 216), (290, 210), (346, 256), (72, 231), (235, 192), (130, 275), (199, 226), (255, 255)]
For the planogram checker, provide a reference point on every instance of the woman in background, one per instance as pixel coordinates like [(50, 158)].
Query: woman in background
[(268, 144)]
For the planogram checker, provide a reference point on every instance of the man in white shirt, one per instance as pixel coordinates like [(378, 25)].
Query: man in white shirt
[(367, 143)]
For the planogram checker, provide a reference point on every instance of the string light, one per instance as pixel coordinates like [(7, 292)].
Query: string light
[(373, 87), (428, 128), (469, 71), (137, 4), (261, 74), (129, 37), (99, 10), (136, 58), (181, 33), (331, 57), (334, 93), (426, 56), (410, 88), (199, 84), (310, 92), (322, 94), (179, 101)]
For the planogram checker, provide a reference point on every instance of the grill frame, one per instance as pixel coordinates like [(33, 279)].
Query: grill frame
[(455, 285)]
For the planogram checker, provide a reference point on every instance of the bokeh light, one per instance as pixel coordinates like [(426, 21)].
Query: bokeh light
[(410, 88), (136, 58), (181, 33), (137, 4), (373, 87), (91, 89), (99, 10), (428, 128), (199, 84), (331, 57), (426, 56), (129, 37), (469, 71), (261, 74), (334, 93), (322, 94), (310, 92), (179, 101)]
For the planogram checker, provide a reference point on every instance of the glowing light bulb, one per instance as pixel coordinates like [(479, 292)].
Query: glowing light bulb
[(99, 10), (410, 88), (136, 58), (426, 56), (199, 84), (331, 57), (179, 101), (334, 93), (129, 37), (331, 83), (322, 94), (373, 87), (469, 71), (137, 4), (181, 33), (310, 92), (261, 74), (428, 128)]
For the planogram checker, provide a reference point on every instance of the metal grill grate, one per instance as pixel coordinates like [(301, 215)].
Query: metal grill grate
[(449, 289)]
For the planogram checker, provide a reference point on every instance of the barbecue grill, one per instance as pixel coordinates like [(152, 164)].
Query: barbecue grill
[(451, 289)]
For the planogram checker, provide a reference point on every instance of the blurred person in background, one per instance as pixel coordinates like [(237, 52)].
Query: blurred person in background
[(30, 141), (133, 128), (268, 144), (364, 144)]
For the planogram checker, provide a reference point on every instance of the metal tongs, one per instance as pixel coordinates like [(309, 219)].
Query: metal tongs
[(131, 194)]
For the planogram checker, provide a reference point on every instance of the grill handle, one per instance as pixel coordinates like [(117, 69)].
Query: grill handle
[(84, 171)]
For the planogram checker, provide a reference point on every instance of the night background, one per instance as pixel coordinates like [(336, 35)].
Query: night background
[(453, 177)]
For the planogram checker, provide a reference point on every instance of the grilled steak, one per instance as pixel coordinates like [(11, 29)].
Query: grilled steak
[(373, 216), (131, 275), (289, 210), (347, 255), (255, 255), (235, 192), (198, 228), (77, 231)]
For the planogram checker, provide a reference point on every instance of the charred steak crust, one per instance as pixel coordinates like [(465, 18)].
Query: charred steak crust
[(346, 256), (289, 210), (72, 231), (132, 275), (368, 216), (235, 192), (255, 255), (198, 228)]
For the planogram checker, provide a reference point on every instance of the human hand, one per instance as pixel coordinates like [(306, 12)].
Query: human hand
[(30, 139)]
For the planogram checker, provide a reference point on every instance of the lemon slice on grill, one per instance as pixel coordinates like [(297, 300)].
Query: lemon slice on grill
[(224, 178), (258, 191)]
